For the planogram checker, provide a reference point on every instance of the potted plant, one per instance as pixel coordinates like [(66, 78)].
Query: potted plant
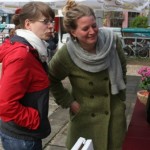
[(144, 84)]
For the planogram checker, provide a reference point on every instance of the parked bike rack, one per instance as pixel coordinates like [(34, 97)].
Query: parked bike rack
[(135, 35)]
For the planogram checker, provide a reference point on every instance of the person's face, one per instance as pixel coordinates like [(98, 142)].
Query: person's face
[(12, 32), (43, 27), (86, 31)]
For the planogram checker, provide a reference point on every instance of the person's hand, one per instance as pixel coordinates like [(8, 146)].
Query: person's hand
[(75, 107)]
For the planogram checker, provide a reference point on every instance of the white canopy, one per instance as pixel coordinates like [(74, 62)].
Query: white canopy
[(107, 5)]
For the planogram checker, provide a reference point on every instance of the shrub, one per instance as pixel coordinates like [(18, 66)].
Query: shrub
[(140, 22)]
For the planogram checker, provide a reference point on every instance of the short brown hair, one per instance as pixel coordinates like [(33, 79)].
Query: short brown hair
[(32, 11)]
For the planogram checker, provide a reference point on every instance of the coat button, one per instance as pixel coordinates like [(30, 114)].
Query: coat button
[(106, 112), (90, 83), (93, 115), (92, 96), (106, 78)]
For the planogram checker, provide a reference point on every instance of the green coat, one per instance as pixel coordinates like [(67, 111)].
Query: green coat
[(102, 115)]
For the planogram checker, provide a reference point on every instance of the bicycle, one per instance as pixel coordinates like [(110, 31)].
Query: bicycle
[(137, 49)]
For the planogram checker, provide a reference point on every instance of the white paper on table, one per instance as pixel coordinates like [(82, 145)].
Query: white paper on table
[(83, 144)]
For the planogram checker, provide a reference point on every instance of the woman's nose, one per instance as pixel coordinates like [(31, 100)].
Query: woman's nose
[(50, 25), (91, 30)]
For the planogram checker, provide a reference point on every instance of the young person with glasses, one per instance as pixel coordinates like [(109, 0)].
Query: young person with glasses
[(24, 84)]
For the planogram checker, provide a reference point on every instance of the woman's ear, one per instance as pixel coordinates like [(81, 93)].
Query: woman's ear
[(27, 24), (73, 33)]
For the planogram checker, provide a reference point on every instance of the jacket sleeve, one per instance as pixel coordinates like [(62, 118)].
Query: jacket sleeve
[(15, 81), (59, 70)]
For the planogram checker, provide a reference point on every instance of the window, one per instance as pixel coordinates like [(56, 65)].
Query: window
[(131, 16), (116, 18)]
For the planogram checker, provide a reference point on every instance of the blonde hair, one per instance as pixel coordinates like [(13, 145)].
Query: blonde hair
[(72, 12), (70, 4)]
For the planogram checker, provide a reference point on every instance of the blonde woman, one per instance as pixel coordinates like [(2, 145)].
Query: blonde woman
[(95, 64)]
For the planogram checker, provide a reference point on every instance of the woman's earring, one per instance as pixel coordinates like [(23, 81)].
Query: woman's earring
[(75, 39)]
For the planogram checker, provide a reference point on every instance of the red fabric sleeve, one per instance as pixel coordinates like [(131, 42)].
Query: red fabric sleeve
[(15, 81)]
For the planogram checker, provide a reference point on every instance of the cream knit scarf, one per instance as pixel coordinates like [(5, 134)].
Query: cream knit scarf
[(36, 42), (106, 57)]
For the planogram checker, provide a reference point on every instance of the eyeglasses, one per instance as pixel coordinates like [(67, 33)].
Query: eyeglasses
[(47, 21)]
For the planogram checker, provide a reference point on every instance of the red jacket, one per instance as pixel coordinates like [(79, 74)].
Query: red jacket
[(24, 88)]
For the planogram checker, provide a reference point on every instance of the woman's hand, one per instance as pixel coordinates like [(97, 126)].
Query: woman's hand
[(75, 107)]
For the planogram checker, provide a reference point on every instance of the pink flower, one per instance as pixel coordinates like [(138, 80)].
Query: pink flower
[(145, 77)]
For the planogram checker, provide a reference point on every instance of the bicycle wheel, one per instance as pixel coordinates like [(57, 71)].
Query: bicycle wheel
[(128, 51), (143, 52)]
